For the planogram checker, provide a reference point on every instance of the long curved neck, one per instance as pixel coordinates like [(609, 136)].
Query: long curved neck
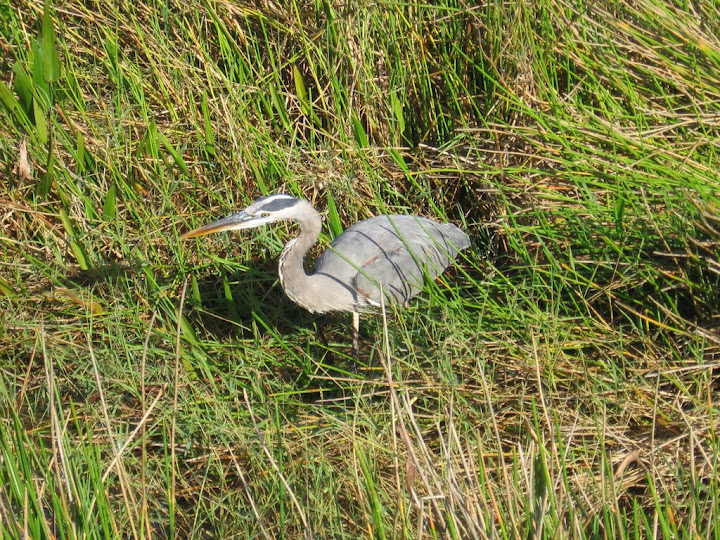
[(291, 269)]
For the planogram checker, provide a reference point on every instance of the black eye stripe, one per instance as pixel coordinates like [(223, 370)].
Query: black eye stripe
[(276, 203)]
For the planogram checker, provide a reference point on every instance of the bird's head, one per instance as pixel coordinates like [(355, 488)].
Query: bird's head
[(265, 210)]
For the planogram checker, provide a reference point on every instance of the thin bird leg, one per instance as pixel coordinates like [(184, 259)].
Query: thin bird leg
[(356, 335)]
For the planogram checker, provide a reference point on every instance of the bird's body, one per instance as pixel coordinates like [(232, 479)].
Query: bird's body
[(389, 253), (382, 256)]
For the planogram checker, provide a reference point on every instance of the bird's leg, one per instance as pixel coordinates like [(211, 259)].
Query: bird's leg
[(356, 336)]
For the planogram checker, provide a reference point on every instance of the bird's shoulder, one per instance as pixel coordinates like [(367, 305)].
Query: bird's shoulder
[(372, 238), (391, 237)]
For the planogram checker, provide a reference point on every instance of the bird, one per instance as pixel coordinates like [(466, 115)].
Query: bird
[(375, 262)]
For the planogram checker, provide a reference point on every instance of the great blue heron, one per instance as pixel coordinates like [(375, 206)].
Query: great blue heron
[(376, 261)]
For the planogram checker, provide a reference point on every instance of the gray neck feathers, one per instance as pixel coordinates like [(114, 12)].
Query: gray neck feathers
[(298, 285)]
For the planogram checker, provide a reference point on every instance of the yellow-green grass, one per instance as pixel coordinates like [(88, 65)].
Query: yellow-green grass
[(560, 381)]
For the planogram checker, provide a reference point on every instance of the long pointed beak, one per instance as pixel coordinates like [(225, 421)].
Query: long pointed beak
[(235, 222)]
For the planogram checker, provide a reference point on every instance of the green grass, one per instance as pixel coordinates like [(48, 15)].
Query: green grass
[(560, 381)]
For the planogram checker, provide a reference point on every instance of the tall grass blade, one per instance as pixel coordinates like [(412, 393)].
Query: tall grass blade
[(48, 48), (334, 217), (110, 204), (23, 88)]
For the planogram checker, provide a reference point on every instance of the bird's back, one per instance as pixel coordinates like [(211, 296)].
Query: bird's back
[(392, 252)]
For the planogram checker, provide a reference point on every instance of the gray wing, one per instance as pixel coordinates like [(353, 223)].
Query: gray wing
[(393, 252)]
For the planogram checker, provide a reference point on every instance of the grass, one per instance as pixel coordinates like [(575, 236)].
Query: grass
[(560, 381)]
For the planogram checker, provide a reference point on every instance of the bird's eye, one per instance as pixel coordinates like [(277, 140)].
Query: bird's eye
[(264, 214)]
